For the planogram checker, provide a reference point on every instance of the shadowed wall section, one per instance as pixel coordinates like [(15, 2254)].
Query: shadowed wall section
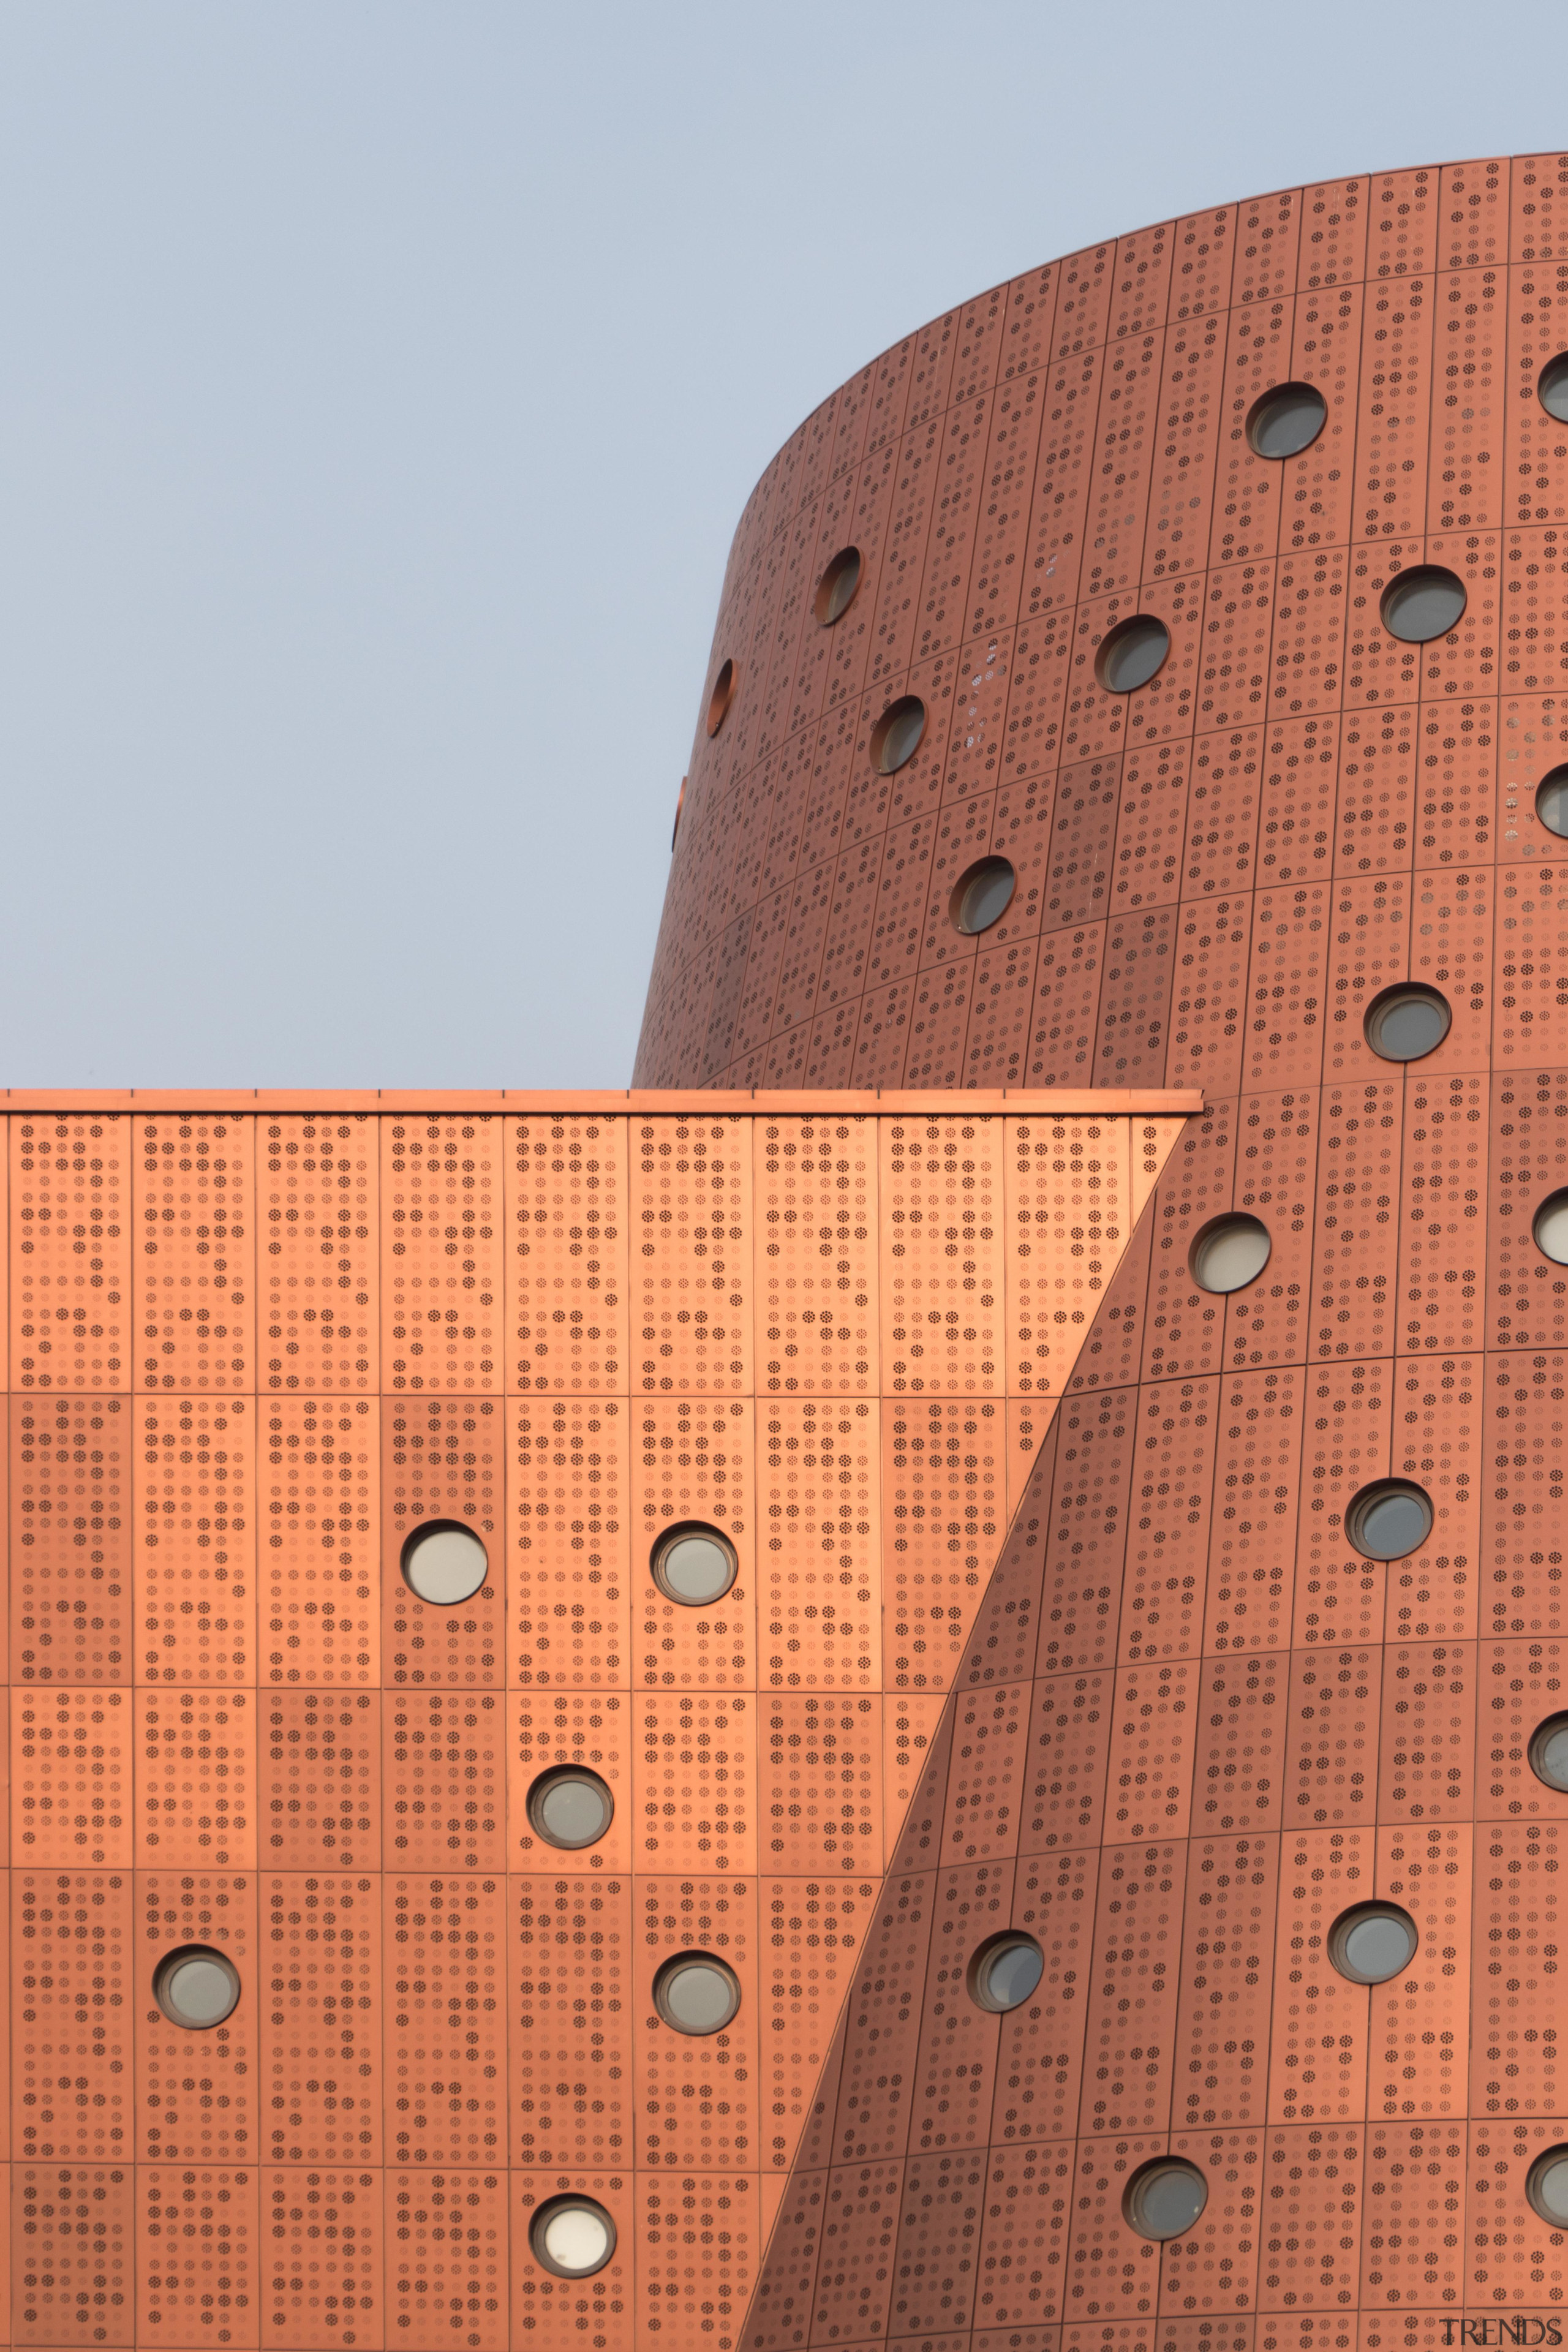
[(1215, 1719)]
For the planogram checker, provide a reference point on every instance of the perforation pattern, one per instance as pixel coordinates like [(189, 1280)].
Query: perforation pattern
[(320, 1549), (571, 1540), (324, 2020), (447, 2244), (445, 2040), (442, 1253), (196, 2106), (445, 1780), (319, 1279), (70, 1284), (71, 1771), (197, 2231), (329, 1781), (569, 1186), (71, 1540), (323, 2266), (71, 1943), (321, 1779), (193, 1298), (76, 2232), (442, 1460), (195, 1539)]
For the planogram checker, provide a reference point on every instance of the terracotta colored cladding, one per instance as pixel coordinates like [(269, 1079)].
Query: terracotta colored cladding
[(255, 1345), (1047, 1617), (1192, 1725)]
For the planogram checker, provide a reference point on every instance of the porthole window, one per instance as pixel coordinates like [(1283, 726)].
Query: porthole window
[(444, 1563), (982, 896), (1422, 603), (1406, 1022), (1389, 1519), (1005, 1970), (1230, 1253), (1546, 2186), (836, 589), (1549, 1752), (1372, 1942), (896, 737), (694, 1564), (1287, 420), (573, 2236), (1165, 2197), (722, 696), (1132, 653), (570, 1807), (1550, 1228), (1552, 802), (696, 1993), (197, 1987), (1551, 387)]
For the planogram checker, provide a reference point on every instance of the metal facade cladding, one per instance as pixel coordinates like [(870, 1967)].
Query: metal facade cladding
[(253, 1342), (1192, 1725)]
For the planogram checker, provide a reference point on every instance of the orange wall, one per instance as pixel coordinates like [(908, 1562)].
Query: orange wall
[(249, 1351), (1216, 874)]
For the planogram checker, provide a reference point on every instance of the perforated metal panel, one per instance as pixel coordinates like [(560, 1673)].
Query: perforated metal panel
[(1180, 1660), (234, 1725)]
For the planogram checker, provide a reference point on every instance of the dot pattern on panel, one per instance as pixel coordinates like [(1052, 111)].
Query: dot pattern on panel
[(234, 1725), (72, 1249), (70, 1478), (319, 1277), (1185, 1707)]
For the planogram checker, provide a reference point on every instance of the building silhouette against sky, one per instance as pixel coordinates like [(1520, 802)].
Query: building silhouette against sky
[(907, 1687)]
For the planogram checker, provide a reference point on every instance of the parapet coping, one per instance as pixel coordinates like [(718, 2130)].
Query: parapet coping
[(1032, 1102)]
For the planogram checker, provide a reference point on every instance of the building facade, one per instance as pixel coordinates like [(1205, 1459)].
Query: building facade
[(485, 1575), (1151, 674), (908, 1688)]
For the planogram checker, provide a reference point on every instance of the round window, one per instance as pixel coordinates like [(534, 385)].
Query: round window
[(1372, 1942), (1005, 1970), (1549, 1752), (573, 2236), (1287, 420), (896, 737), (696, 1993), (1131, 653), (197, 1987), (444, 1563), (1406, 1022), (1551, 387), (836, 589), (722, 696), (1552, 802), (1422, 603), (1229, 1253), (570, 1807), (1550, 1228), (694, 1564), (1389, 1518), (1546, 2186), (982, 896), (1165, 2197)]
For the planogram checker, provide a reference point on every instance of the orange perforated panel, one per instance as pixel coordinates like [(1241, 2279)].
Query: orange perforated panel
[(1146, 1693), (835, 1336), (441, 1253)]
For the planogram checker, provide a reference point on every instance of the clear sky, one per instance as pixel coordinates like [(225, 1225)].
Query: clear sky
[(379, 386)]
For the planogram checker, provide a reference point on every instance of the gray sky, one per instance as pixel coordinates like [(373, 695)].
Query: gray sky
[(379, 386)]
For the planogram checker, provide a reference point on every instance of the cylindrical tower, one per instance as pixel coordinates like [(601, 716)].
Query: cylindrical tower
[(1152, 672)]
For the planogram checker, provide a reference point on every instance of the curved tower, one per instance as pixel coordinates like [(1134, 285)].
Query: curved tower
[(1152, 674)]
